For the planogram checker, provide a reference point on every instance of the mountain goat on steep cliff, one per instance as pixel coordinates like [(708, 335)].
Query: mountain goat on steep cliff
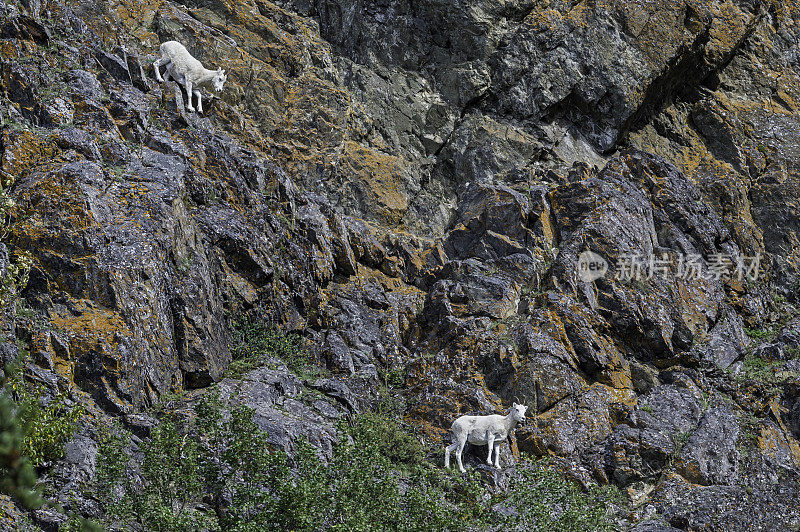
[(187, 71), (483, 430)]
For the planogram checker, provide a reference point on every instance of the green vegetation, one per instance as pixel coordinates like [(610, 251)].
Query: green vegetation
[(540, 488), (679, 441), (647, 408), (46, 428), (216, 471), (171, 474), (33, 430), (227, 460), (16, 470), (757, 368), (393, 377), (17, 475), (748, 437), (764, 371), (705, 400), (760, 334), (184, 264), (254, 342)]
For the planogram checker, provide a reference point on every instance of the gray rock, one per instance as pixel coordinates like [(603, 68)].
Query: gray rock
[(727, 343), (710, 455), (337, 353), (85, 84), (115, 65)]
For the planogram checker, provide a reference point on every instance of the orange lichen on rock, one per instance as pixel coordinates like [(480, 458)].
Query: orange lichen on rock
[(24, 151), (772, 442), (92, 327), (379, 179), (92, 335)]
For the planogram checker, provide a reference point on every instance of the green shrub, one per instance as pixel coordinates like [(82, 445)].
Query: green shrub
[(113, 484), (760, 334), (369, 485), (253, 341), (759, 369), (394, 377), (171, 480), (17, 476), (239, 470), (544, 500), (388, 438), (46, 428)]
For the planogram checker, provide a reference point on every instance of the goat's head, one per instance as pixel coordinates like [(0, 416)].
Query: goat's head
[(219, 79), (518, 412)]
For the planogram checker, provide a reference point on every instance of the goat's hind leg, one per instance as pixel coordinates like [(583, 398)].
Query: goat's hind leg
[(497, 454), (459, 450), (199, 101), (189, 92), (158, 64), (490, 445), (447, 450)]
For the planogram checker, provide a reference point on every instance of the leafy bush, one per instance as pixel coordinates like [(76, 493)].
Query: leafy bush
[(16, 471), (17, 475), (240, 472), (760, 334), (544, 500), (388, 438), (46, 428), (171, 476), (364, 489), (393, 377), (254, 341)]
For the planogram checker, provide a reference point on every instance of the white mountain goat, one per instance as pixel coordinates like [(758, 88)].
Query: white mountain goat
[(483, 430), (187, 71)]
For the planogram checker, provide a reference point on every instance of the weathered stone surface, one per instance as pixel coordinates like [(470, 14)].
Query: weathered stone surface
[(687, 506), (606, 65), (710, 455), (274, 395), (411, 186), (641, 448)]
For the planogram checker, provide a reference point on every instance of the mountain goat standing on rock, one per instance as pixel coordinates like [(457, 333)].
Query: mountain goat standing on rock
[(187, 71), (483, 430)]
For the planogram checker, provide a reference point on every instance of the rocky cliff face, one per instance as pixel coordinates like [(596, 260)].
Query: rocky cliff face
[(412, 187)]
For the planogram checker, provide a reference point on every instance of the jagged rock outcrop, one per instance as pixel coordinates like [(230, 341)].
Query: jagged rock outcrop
[(412, 187)]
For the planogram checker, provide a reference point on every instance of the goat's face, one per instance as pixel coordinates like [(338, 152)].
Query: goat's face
[(518, 412), (219, 79)]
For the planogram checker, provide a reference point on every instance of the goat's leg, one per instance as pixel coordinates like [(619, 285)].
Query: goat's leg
[(447, 450), (168, 71), (159, 62), (497, 454), (460, 449), (199, 101), (490, 445), (189, 106)]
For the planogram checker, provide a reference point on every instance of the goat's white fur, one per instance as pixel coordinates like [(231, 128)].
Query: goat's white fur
[(187, 71), (483, 430)]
